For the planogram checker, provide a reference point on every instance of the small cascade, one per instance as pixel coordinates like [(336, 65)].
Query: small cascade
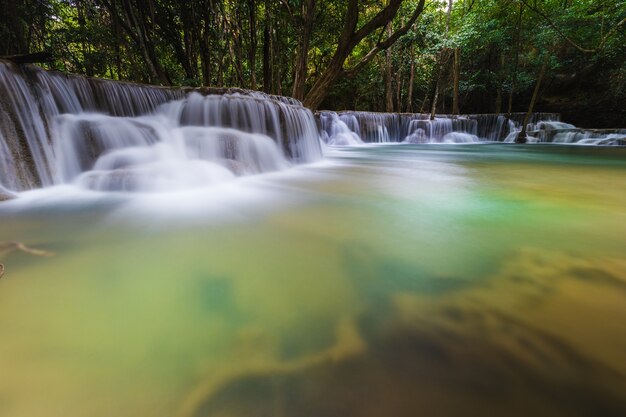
[(24, 141), (471, 128), (343, 130), (604, 137), (419, 128), (114, 136), (441, 130)]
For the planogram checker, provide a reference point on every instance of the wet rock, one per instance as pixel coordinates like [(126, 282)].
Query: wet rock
[(6, 194)]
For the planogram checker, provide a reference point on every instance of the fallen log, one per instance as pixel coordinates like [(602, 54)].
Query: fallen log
[(37, 57), (8, 247)]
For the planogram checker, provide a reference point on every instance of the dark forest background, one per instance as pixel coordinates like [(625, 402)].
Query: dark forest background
[(468, 56)]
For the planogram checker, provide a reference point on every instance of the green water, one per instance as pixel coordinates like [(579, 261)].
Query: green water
[(481, 280)]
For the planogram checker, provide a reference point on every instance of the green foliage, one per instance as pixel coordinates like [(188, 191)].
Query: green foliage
[(254, 43)]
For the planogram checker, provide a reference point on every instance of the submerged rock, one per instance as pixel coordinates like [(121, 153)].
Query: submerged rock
[(6, 194)]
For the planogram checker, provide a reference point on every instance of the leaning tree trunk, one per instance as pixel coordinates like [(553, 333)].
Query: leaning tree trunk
[(522, 137), (444, 55), (350, 38), (518, 33), (304, 39), (323, 84)]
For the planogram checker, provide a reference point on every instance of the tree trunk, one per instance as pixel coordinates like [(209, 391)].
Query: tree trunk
[(425, 102), (500, 82), (302, 55), (277, 86), (522, 137), (146, 45), (253, 43), (205, 49), (409, 101), (238, 51), (184, 50), (118, 38), (136, 29), (443, 59), (433, 104), (220, 58), (319, 90), (457, 75), (388, 77), (518, 33), (350, 38), (267, 50), (15, 40), (399, 85)]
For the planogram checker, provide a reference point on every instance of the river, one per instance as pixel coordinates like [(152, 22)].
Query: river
[(387, 280)]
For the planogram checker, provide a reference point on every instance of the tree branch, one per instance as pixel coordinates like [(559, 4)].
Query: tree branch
[(381, 46), (553, 25), (289, 11), (29, 58), (381, 19)]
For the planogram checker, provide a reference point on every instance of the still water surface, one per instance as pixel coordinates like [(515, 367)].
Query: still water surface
[(479, 280)]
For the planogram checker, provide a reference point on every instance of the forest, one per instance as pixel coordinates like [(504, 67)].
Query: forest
[(295, 208), (461, 56)]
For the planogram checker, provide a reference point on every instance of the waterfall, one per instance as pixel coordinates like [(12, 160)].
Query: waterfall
[(342, 131), (115, 136), (418, 128), (472, 128)]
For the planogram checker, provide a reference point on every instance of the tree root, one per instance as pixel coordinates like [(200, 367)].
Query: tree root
[(8, 247)]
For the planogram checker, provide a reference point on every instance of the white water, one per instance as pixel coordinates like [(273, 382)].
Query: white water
[(478, 128), (344, 130), (418, 128), (109, 136), (187, 143)]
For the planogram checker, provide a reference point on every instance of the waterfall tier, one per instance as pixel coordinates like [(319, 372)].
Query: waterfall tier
[(116, 136), (346, 128)]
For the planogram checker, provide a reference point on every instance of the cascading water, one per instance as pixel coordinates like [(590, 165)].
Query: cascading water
[(476, 128), (344, 130), (110, 136), (114, 136)]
